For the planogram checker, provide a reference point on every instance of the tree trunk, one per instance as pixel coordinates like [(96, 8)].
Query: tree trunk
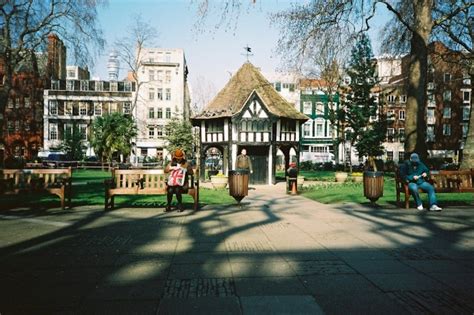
[(415, 127), (467, 161)]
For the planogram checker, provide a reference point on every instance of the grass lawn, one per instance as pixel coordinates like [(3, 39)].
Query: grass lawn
[(88, 190), (354, 192)]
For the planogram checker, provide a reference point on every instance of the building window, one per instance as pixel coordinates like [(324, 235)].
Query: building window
[(159, 75), (113, 86), (389, 155), (390, 134), (401, 115), (430, 115), (401, 134), (291, 87), (53, 132), (10, 126), (278, 86), (167, 76), (466, 111), (151, 75), (307, 129), (83, 131), (71, 74), (447, 77), (168, 113), (391, 99), (447, 112), (465, 129), (403, 99), (151, 94), (390, 115), (168, 94), (160, 94), (401, 156), (99, 86), (159, 131), (151, 132), (431, 100), (98, 109), (151, 112), (127, 108), (446, 129), (319, 130), (10, 103), (466, 97), (67, 132), (307, 108), (53, 107), (447, 95), (159, 113), (430, 135), (69, 85), (54, 85), (83, 109), (127, 86), (168, 57), (68, 108), (84, 85), (26, 101), (319, 109)]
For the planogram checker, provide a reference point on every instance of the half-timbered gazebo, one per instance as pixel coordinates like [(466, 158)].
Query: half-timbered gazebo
[(248, 113)]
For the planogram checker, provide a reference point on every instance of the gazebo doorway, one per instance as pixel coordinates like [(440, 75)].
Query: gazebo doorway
[(259, 157)]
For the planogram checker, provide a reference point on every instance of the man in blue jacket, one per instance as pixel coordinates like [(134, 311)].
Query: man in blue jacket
[(417, 175)]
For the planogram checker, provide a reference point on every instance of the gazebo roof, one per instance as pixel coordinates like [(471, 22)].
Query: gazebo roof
[(233, 97)]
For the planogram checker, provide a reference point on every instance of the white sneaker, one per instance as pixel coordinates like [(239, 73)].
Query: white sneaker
[(435, 208), (420, 208)]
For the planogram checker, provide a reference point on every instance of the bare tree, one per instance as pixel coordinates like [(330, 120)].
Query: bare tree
[(203, 91), (130, 50), (25, 26)]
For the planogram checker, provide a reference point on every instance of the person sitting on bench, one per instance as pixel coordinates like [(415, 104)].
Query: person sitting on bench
[(416, 176), (178, 170)]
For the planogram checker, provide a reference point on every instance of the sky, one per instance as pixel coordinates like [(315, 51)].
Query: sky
[(213, 55)]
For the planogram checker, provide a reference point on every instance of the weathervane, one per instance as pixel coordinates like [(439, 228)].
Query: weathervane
[(248, 52)]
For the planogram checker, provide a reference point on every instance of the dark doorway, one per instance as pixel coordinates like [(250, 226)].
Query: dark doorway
[(259, 157)]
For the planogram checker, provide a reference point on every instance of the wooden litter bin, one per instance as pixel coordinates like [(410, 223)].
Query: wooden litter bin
[(373, 185), (238, 184)]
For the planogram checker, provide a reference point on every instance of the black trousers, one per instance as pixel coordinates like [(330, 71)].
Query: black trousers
[(178, 190)]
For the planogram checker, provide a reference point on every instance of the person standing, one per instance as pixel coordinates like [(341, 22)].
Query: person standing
[(178, 169), (244, 162), (292, 175), (416, 177)]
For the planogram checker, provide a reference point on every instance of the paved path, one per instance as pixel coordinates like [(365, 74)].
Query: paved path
[(274, 254)]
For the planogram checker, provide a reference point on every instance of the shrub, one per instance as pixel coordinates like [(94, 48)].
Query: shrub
[(306, 166)]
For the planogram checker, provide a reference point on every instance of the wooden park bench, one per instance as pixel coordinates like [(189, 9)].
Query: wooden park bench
[(443, 181), (26, 181), (143, 182)]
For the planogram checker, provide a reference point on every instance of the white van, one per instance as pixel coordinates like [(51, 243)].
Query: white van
[(318, 157)]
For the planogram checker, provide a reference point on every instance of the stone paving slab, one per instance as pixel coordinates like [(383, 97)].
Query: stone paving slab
[(281, 304), (275, 253)]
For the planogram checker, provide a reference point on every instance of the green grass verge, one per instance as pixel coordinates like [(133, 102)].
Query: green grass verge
[(88, 190), (354, 193)]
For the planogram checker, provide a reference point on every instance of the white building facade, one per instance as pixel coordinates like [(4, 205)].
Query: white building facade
[(77, 102), (162, 95)]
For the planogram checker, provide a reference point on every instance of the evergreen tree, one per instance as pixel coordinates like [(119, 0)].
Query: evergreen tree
[(364, 115), (112, 134), (179, 134), (73, 144)]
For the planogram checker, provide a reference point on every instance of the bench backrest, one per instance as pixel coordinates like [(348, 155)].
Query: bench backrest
[(144, 179), (453, 180), (38, 177)]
